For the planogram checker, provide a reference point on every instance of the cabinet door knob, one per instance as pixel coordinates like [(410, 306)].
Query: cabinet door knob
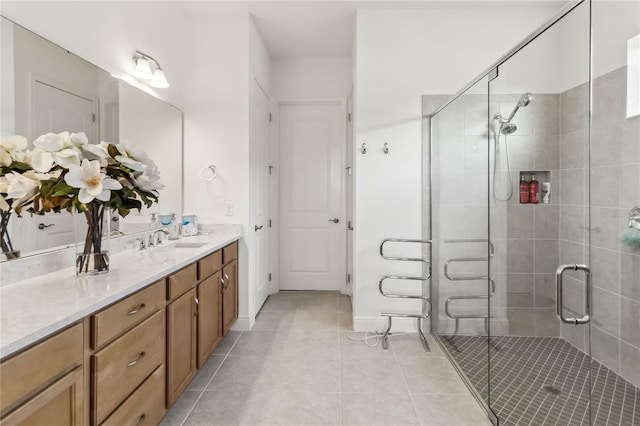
[(136, 309), (132, 363), (195, 299), (226, 278)]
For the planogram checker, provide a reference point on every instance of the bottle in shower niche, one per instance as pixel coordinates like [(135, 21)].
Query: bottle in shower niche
[(534, 190), (524, 190)]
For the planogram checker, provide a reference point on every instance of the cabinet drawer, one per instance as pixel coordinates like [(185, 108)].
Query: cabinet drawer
[(209, 265), (230, 252), (181, 281), (120, 367), (145, 406), (19, 376), (125, 314)]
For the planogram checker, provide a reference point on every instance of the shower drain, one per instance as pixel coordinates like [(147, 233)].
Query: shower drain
[(551, 389)]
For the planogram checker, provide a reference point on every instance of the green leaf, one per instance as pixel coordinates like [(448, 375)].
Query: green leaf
[(62, 188)]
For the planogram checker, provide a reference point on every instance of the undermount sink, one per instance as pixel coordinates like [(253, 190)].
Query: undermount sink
[(188, 245)]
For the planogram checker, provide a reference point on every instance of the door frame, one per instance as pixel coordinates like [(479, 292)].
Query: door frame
[(275, 195)]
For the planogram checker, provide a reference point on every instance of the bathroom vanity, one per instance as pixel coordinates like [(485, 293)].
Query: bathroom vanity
[(119, 348)]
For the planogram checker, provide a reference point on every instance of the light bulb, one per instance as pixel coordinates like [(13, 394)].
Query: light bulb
[(159, 80), (143, 69)]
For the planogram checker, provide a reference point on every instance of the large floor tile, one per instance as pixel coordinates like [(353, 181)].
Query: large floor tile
[(344, 303), (371, 375), (228, 408), (410, 345), (227, 343), (449, 410), (274, 321), (245, 373), (318, 302), (350, 348), (378, 409), (312, 342), (316, 320), (205, 374), (182, 407), (302, 408), (312, 374), (263, 343), (431, 375), (280, 302)]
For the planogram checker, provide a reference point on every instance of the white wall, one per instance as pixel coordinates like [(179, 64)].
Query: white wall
[(400, 56), (216, 111), (311, 78)]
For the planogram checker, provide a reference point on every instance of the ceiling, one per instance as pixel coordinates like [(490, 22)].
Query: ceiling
[(302, 28)]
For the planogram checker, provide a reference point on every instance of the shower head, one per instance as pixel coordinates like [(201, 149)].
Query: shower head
[(522, 102), (508, 128)]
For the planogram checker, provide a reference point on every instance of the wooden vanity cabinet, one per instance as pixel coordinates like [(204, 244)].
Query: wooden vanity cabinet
[(209, 318), (229, 295), (181, 344), (51, 393)]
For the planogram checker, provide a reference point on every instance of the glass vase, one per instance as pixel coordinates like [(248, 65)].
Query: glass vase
[(5, 236), (92, 228)]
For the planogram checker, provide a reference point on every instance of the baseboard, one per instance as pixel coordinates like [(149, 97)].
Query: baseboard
[(405, 325), (242, 324)]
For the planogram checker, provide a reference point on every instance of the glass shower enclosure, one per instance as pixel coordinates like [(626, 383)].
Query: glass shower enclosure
[(534, 169)]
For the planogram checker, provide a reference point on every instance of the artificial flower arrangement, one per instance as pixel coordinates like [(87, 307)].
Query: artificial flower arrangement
[(65, 172)]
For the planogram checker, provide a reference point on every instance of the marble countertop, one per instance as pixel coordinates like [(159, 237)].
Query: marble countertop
[(35, 308)]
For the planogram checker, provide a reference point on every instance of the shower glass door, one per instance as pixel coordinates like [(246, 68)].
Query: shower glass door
[(540, 354)]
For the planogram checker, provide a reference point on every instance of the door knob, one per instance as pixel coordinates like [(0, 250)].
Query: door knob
[(43, 226), (257, 228), (334, 220)]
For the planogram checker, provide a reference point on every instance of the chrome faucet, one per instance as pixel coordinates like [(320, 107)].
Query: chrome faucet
[(155, 238)]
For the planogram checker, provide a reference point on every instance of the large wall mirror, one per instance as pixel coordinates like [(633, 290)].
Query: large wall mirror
[(46, 89)]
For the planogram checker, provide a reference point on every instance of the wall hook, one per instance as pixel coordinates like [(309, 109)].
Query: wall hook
[(385, 148), (364, 148)]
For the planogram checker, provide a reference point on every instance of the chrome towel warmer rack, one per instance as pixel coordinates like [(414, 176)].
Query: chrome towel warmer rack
[(450, 277), (426, 301)]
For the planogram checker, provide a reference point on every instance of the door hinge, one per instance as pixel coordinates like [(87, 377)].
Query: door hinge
[(349, 226), (269, 223), (93, 118), (270, 169), (348, 278), (269, 276), (270, 118), (349, 116)]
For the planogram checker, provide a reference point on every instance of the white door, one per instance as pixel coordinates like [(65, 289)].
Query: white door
[(261, 194), (55, 111), (312, 211)]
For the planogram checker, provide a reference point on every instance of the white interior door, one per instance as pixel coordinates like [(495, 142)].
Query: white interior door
[(55, 111), (261, 194), (312, 209)]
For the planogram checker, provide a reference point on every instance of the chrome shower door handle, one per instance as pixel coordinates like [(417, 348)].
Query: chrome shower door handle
[(559, 294)]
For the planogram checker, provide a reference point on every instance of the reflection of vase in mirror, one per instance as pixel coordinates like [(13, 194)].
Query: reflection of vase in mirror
[(47, 89)]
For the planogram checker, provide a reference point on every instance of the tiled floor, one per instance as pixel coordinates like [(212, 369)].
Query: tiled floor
[(521, 366), (297, 367)]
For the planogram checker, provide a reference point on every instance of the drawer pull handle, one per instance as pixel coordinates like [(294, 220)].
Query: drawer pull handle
[(141, 419), (226, 277), (136, 309), (132, 363), (195, 299)]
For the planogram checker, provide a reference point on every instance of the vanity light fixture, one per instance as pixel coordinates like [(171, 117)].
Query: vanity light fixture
[(147, 68)]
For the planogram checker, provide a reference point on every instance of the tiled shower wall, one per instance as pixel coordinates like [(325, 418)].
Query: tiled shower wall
[(615, 190), (531, 241), (524, 237)]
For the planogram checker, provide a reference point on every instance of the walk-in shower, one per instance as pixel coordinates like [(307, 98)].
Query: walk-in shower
[(510, 276), (501, 128)]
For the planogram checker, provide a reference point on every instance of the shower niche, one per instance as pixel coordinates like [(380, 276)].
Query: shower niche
[(543, 191)]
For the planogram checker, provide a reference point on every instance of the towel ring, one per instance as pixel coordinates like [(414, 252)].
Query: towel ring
[(212, 172)]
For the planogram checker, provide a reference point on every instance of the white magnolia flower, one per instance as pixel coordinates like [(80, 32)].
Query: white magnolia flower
[(134, 158), (22, 187), (9, 147), (149, 180), (4, 187), (91, 181), (53, 149), (96, 152)]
